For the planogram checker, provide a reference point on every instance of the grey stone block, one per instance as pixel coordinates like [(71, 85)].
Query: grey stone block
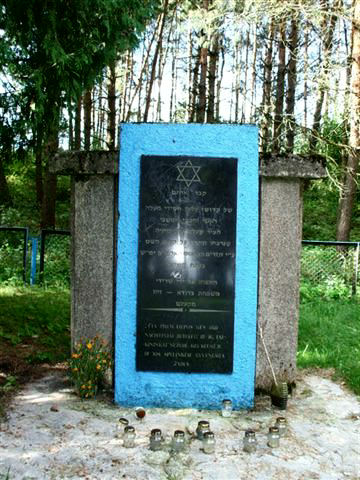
[(93, 257), (279, 277)]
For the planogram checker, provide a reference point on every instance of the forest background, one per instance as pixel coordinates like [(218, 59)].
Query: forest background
[(72, 71)]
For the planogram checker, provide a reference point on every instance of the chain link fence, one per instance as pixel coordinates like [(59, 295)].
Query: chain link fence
[(21, 264), (331, 266), (329, 269)]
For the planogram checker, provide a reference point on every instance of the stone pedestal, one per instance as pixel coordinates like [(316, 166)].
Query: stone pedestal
[(94, 223)]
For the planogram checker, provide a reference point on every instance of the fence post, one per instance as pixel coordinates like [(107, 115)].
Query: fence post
[(26, 239), (42, 256), (34, 245), (356, 269)]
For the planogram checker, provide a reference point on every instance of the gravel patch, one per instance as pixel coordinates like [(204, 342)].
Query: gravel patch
[(51, 434)]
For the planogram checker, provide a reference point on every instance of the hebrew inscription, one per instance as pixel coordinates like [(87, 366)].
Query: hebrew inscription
[(186, 264)]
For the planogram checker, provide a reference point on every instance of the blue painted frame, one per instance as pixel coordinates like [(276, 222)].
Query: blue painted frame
[(158, 389)]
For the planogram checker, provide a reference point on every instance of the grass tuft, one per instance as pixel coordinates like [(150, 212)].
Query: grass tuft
[(329, 337)]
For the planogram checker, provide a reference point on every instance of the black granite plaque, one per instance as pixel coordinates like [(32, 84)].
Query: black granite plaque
[(186, 264)]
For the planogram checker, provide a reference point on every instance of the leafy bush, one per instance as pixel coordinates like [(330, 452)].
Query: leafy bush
[(57, 261), (88, 366), (326, 273), (331, 289), (11, 259)]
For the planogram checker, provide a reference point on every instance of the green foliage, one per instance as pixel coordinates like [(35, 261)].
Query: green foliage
[(88, 366), (331, 289), (10, 384), (57, 261), (54, 50), (329, 337), (25, 210), (35, 315), (11, 262), (326, 273), (321, 197)]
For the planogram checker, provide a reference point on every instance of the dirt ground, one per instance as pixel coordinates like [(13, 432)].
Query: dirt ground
[(50, 434), (16, 370)]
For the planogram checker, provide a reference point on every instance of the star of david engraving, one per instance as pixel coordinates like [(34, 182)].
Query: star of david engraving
[(188, 173)]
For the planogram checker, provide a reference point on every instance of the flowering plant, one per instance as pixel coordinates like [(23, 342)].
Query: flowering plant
[(90, 360)]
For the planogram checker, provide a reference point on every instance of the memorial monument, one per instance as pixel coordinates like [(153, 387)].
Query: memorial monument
[(187, 265), (157, 230)]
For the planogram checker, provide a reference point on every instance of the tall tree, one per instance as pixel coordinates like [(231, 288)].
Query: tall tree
[(280, 87), (328, 29), (59, 47), (213, 63), (267, 82), (201, 104), (350, 182), (291, 85), (111, 127), (155, 59)]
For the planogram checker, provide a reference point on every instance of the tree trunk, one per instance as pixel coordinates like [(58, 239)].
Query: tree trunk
[(244, 88), (48, 207), (280, 86), (111, 94), (71, 125), (173, 85), (77, 142), (189, 76), (144, 68), (350, 185), (253, 77), (306, 68), (328, 32), (237, 69), (266, 99), (155, 60), (125, 85), (195, 86), (291, 86), (348, 48), (201, 104), (220, 76), (159, 82), (214, 59), (39, 176), (5, 197), (87, 119)]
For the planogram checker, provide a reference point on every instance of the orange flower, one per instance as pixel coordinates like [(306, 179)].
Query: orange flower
[(98, 367), (75, 355), (89, 345)]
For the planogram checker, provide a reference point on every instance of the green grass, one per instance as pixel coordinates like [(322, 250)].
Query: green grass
[(39, 316), (329, 337)]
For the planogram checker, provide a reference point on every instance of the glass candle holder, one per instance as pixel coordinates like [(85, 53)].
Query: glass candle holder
[(203, 426), (156, 439), (226, 408), (129, 437), (249, 441), (281, 424), (122, 422), (208, 442), (273, 437), (178, 441)]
